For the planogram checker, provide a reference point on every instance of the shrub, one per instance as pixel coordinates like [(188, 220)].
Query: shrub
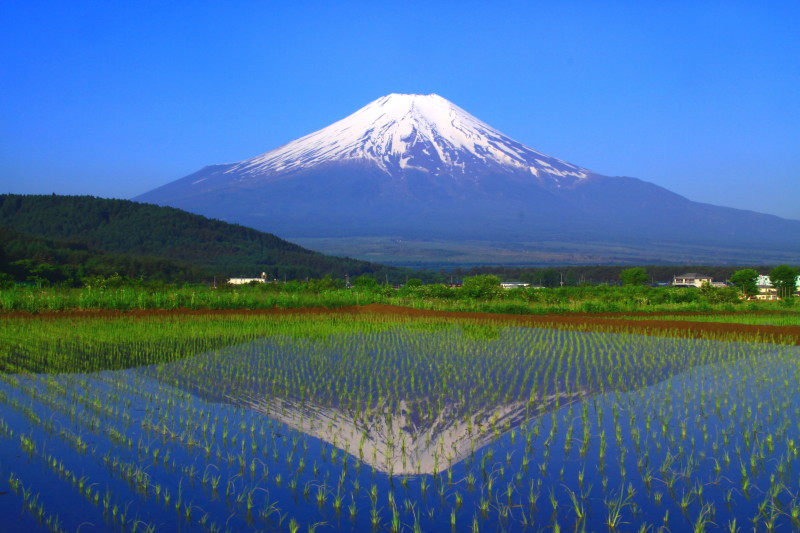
[(483, 287)]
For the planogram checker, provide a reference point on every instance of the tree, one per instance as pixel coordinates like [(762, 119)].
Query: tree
[(365, 283), (412, 286), (483, 287), (549, 277), (716, 295), (784, 279), (326, 283), (3, 255), (6, 280), (633, 276), (746, 280)]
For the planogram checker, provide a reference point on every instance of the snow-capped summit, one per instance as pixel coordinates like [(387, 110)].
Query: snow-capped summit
[(410, 131)]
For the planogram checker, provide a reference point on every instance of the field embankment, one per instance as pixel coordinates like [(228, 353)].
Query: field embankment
[(768, 326)]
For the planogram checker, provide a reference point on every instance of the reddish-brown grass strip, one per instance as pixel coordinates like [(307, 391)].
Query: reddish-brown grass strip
[(588, 321)]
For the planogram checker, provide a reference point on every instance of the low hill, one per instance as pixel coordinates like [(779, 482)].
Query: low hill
[(145, 230), (29, 258)]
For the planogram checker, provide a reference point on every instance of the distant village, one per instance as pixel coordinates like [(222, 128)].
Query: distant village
[(766, 291)]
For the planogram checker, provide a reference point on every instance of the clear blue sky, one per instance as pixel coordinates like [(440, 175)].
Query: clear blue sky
[(116, 98)]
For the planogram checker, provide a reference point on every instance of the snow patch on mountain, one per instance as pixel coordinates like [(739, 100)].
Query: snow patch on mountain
[(409, 131)]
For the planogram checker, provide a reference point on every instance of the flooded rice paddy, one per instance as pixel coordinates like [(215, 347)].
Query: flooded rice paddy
[(415, 427)]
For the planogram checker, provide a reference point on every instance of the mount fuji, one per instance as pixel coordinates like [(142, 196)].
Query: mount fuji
[(411, 168)]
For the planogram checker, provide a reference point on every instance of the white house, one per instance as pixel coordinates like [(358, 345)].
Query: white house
[(765, 289), (245, 281), (764, 280), (514, 284), (691, 279)]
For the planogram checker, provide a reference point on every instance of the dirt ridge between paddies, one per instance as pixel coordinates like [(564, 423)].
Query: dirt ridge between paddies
[(612, 322)]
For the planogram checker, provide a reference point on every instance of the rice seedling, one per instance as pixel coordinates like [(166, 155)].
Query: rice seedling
[(414, 401)]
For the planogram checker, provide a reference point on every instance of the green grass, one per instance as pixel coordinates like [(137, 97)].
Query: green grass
[(35, 300), (87, 344), (760, 319), (595, 299), (78, 343)]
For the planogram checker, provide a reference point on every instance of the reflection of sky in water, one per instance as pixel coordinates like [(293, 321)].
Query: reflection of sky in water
[(676, 421), (417, 402)]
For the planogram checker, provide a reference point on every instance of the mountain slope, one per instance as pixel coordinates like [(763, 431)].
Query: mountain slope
[(126, 227), (26, 258), (419, 167), (405, 131)]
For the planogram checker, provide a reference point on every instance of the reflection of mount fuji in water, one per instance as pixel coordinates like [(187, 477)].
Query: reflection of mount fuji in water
[(410, 402), (395, 444)]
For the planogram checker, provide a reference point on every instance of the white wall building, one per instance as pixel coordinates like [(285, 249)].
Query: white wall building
[(245, 281), (691, 279)]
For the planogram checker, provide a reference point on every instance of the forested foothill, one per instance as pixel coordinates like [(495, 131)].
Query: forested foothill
[(59, 239)]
